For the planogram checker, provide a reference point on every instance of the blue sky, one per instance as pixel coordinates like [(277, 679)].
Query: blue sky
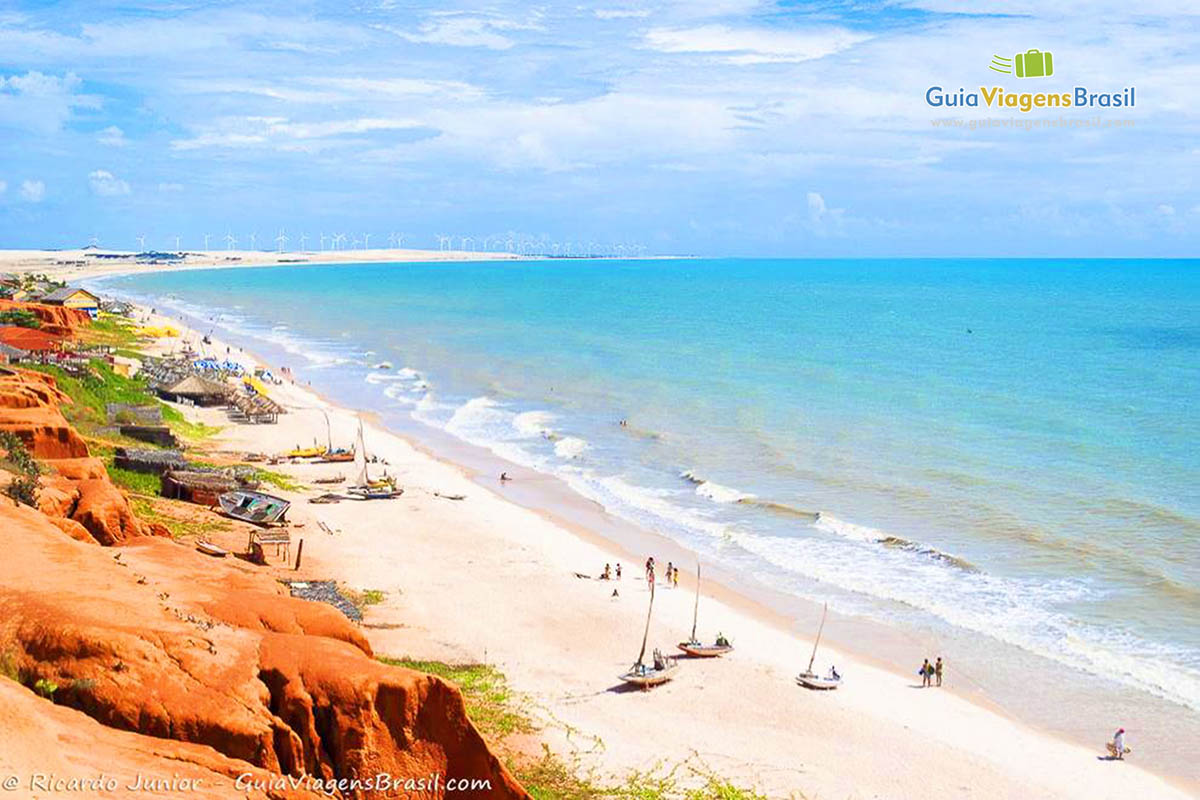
[(717, 127)]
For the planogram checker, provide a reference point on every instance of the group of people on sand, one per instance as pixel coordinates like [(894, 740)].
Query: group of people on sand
[(607, 575), (931, 672), (671, 577)]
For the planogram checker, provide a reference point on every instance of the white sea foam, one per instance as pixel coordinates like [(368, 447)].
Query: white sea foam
[(570, 447), (383, 377), (848, 530), (534, 423), (722, 494)]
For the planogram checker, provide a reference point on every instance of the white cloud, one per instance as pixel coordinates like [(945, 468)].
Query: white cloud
[(464, 30), (621, 13), (1165, 209), (105, 184), (821, 218), (170, 187), (40, 102), (33, 191), (112, 136), (753, 45), (240, 132)]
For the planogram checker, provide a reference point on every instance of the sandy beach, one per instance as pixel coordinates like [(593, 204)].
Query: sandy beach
[(486, 579)]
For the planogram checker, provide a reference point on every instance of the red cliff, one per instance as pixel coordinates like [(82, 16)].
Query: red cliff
[(156, 639)]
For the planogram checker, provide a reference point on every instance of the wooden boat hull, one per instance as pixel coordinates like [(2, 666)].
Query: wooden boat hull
[(336, 458), (375, 494), (254, 507), (811, 681), (210, 549), (650, 677), (705, 650)]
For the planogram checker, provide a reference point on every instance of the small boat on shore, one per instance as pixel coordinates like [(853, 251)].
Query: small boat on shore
[(254, 507), (693, 646), (306, 452), (662, 669), (379, 489), (811, 680), (210, 549)]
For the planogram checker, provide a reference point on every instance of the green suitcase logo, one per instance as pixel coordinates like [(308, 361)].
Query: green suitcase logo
[(1030, 64)]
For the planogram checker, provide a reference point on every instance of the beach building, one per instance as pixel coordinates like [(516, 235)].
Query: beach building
[(12, 355), (74, 297)]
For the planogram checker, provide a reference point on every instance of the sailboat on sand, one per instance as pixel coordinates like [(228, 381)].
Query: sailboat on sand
[(693, 646), (812, 680), (380, 489), (664, 667)]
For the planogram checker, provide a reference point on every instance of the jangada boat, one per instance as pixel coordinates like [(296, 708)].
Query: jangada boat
[(380, 489), (306, 452), (210, 549), (810, 679), (255, 507), (693, 646), (662, 669)]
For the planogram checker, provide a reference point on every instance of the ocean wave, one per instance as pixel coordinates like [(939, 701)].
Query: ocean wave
[(534, 424), (862, 533), (382, 377), (570, 447), (715, 491)]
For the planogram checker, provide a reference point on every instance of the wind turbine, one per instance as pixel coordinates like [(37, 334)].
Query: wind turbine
[(303, 239), (177, 243), (253, 239), (230, 240), (141, 240), (366, 241), (207, 236), (392, 240), (400, 240), (281, 240)]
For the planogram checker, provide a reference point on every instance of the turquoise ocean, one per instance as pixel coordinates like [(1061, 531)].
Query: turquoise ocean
[(1009, 449)]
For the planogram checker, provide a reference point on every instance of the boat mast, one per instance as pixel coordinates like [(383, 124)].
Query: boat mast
[(818, 641), (696, 608), (361, 455), (328, 431), (646, 635)]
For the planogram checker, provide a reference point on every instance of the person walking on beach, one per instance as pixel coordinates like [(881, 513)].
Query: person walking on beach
[(650, 571), (618, 570), (675, 578), (1117, 748), (937, 670), (670, 571), (925, 672)]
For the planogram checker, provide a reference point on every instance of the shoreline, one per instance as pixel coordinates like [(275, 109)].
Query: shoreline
[(738, 603), (769, 625)]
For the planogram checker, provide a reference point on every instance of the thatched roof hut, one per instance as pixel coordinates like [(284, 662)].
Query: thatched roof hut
[(198, 390), (150, 461), (204, 488)]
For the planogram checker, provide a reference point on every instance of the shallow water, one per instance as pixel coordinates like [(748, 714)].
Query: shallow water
[(1004, 448)]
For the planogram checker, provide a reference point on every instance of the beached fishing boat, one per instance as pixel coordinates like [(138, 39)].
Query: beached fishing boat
[(306, 452), (693, 646), (378, 489), (812, 680), (336, 457), (210, 549), (255, 507), (662, 668)]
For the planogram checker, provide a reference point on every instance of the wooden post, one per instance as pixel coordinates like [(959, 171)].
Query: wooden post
[(299, 553)]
